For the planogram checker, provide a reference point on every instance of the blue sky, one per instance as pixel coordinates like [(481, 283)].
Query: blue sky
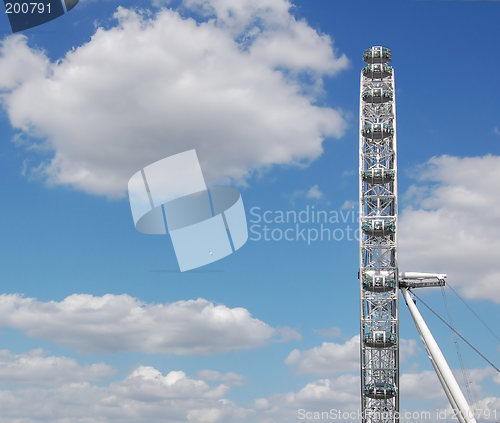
[(97, 323)]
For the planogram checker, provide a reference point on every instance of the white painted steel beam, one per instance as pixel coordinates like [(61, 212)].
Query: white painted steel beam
[(445, 375)]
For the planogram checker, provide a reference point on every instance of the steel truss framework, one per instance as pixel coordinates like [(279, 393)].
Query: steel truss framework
[(378, 266)]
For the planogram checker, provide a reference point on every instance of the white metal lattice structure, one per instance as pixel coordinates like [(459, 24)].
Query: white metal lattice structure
[(378, 268)]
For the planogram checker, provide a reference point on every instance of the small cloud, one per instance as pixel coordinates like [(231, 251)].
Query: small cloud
[(332, 332), (314, 192), (347, 173), (348, 204), (496, 130), (229, 378), (288, 334), (36, 368), (407, 348), (296, 195), (161, 3)]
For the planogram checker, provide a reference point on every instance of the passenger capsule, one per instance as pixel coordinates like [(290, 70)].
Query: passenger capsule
[(378, 227), (377, 71), (378, 175), (377, 54), (380, 390), (379, 283), (379, 339), (377, 131), (377, 95)]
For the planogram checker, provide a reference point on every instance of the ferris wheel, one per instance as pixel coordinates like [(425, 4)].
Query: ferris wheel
[(379, 275), (378, 267)]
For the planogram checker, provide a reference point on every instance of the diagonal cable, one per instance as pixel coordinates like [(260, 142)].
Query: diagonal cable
[(473, 312), (465, 373), (458, 333)]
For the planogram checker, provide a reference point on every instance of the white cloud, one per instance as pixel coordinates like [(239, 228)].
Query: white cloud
[(475, 377), (114, 323), (496, 130), (229, 378), (411, 384), (146, 395), (343, 389), (298, 47), (484, 406), (348, 204), (452, 226), (151, 87), (407, 348), (332, 358), (37, 368), (332, 332), (287, 334), (20, 64), (314, 192), (487, 408), (327, 359), (248, 17), (341, 394), (148, 384)]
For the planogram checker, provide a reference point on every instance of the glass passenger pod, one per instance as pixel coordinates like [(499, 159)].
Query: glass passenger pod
[(380, 390), (377, 95), (379, 339), (377, 131), (378, 175), (377, 71), (378, 227), (377, 54), (379, 283)]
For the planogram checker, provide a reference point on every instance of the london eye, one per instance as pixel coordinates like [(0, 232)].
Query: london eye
[(379, 276)]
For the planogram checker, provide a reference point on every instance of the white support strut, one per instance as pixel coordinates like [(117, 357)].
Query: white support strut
[(444, 373)]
